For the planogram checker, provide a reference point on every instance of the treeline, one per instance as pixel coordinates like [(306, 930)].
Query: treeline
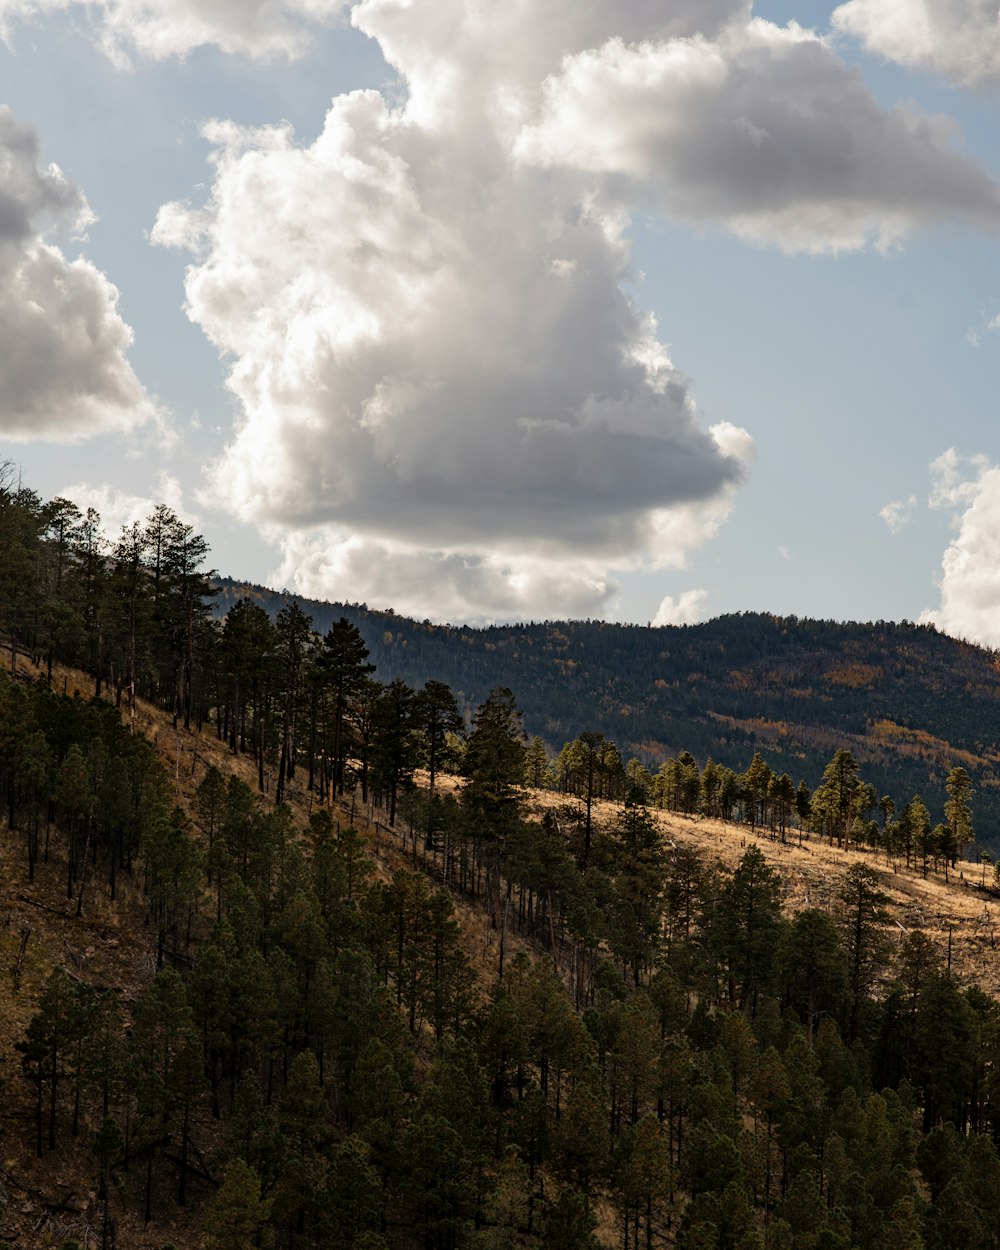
[(321, 1063), (642, 1044), (134, 613), (791, 688), (138, 614), (843, 808)]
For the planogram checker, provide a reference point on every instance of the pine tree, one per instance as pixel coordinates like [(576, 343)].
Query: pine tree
[(345, 668), (236, 1214), (492, 801), (747, 926), (958, 813), (862, 918)]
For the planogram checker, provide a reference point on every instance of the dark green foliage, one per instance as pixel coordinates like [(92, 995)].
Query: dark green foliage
[(328, 1058)]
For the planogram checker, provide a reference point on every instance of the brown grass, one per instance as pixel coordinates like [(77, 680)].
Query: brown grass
[(811, 875)]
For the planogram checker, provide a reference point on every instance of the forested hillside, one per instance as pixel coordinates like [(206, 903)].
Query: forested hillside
[(910, 703), (296, 955)]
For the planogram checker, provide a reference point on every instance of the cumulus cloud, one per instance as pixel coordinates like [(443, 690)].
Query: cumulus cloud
[(159, 29), (444, 585), (448, 398), (119, 508), (763, 130), (898, 514), (955, 39), (63, 370), (970, 569), (416, 370), (686, 609)]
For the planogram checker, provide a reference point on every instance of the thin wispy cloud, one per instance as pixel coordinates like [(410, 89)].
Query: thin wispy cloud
[(898, 514)]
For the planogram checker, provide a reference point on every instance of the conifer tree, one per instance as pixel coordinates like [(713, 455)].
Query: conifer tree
[(958, 813), (345, 668), (862, 920), (237, 1212)]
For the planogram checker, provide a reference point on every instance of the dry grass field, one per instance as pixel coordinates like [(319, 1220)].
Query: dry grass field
[(811, 875)]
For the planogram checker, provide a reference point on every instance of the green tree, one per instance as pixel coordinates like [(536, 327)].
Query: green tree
[(394, 750), (570, 1223), (747, 926), (492, 799), (811, 961), (756, 781), (292, 632), (958, 812), (234, 1218), (862, 920), (345, 667), (437, 717)]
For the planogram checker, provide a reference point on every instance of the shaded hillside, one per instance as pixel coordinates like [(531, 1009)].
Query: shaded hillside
[(909, 702)]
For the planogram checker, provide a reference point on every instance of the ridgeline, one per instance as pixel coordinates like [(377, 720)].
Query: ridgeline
[(910, 703)]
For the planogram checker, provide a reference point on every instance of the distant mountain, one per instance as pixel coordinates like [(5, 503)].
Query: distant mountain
[(908, 701)]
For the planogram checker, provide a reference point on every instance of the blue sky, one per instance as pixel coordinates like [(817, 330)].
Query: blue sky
[(400, 439)]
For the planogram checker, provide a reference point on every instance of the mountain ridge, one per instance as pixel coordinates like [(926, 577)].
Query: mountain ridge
[(909, 701)]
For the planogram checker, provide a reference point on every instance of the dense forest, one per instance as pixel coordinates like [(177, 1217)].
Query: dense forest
[(392, 1002), (909, 702)]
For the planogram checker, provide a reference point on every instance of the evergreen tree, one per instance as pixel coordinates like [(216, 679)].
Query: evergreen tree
[(958, 813), (492, 801), (862, 901), (747, 926), (235, 1216), (345, 668)]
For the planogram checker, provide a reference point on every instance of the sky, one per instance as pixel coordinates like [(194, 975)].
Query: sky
[(646, 310)]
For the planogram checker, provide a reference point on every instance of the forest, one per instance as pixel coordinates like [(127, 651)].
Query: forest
[(909, 702), (369, 991)]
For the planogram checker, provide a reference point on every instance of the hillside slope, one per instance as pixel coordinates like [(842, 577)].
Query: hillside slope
[(909, 702), (50, 1197)]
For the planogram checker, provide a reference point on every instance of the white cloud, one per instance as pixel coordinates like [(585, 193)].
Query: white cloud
[(955, 479), (159, 29), (63, 370), (989, 324), (119, 508), (956, 39), (970, 569), (439, 369), (686, 609), (442, 585), (763, 131), (898, 514), (415, 373), (504, 579)]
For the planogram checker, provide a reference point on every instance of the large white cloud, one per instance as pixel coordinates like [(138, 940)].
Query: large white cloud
[(159, 29), (433, 348), (448, 397), (956, 39), (63, 370), (763, 130), (970, 569)]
